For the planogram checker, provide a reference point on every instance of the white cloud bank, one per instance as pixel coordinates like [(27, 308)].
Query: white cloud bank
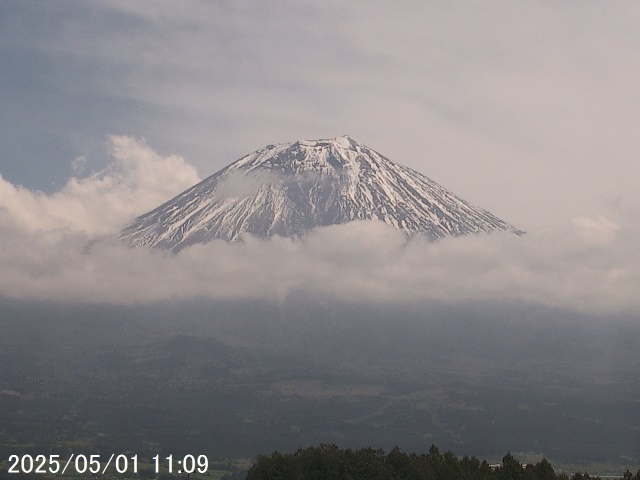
[(137, 179), (54, 247)]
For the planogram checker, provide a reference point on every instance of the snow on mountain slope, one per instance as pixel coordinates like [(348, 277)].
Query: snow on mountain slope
[(288, 189)]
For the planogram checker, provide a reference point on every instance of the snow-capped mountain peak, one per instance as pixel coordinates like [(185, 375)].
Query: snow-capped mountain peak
[(290, 188)]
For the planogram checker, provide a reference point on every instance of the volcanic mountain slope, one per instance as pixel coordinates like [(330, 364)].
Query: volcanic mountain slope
[(288, 189)]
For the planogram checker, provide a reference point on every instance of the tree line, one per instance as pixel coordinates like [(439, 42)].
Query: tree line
[(328, 462)]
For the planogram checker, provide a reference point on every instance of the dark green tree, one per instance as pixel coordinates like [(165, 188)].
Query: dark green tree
[(544, 471), (511, 468)]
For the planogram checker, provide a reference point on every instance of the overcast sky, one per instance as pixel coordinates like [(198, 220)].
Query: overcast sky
[(528, 109)]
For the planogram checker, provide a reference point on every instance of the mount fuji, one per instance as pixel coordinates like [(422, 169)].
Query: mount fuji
[(290, 188)]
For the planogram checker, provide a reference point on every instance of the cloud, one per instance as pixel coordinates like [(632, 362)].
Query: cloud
[(78, 164), (136, 180), (236, 184), (361, 262), (598, 230), (59, 247)]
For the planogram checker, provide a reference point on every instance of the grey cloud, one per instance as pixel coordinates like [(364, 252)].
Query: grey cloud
[(360, 262)]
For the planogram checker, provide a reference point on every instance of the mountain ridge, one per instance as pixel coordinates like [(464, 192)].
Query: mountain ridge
[(290, 188)]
